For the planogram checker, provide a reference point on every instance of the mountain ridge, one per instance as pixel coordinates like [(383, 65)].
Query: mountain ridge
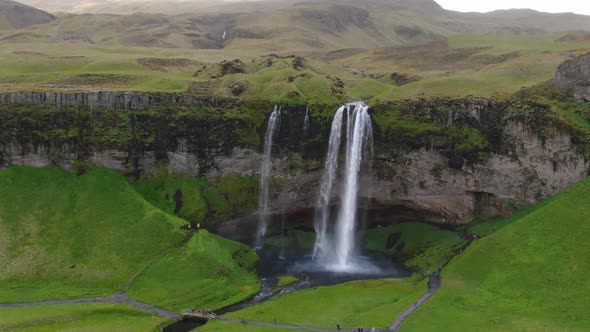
[(17, 15)]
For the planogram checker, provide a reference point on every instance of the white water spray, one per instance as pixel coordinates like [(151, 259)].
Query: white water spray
[(340, 253), (265, 175)]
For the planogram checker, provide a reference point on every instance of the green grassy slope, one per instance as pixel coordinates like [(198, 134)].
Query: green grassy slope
[(209, 272), (63, 236), (358, 303), (88, 317), (422, 247), (529, 276), (66, 236), (199, 200)]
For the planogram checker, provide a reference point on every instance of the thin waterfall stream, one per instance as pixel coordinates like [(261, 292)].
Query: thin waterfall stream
[(265, 176)]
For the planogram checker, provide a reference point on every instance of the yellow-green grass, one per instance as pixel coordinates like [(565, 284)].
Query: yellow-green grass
[(87, 317), (286, 281), (208, 272), (63, 236), (504, 43), (357, 303), (528, 276)]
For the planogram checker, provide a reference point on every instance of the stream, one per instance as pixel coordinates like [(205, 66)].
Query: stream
[(309, 274)]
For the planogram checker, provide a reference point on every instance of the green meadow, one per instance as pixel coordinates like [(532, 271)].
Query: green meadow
[(66, 236), (528, 276), (87, 317)]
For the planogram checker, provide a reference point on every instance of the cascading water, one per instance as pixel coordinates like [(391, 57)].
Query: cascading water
[(322, 244), (265, 175), (306, 124), (359, 124), (339, 253)]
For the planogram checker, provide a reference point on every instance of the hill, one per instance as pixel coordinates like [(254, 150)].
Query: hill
[(14, 15), (529, 275), (67, 236), (373, 50)]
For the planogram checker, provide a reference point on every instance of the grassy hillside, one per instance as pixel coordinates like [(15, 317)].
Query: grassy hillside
[(199, 200), (358, 303), (67, 236), (353, 50), (209, 272), (422, 247), (86, 317), (528, 276)]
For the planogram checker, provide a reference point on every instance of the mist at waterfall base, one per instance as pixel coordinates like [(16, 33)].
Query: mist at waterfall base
[(337, 255)]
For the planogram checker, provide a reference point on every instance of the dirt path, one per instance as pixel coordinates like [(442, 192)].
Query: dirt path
[(435, 282), (116, 298)]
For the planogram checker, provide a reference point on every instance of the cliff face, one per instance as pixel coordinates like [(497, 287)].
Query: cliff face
[(454, 160), (109, 100), (575, 74)]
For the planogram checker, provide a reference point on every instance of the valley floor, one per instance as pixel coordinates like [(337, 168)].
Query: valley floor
[(527, 272)]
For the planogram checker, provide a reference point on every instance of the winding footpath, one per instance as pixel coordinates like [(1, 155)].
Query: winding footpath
[(435, 282), (115, 298)]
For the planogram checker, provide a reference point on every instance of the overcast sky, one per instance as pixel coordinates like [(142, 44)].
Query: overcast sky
[(551, 6)]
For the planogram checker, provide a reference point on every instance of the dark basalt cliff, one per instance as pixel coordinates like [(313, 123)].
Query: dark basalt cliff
[(438, 160)]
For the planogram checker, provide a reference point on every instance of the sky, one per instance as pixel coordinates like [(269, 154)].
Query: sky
[(550, 6)]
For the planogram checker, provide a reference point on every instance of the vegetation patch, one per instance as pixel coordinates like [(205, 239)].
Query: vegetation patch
[(208, 272), (286, 281), (80, 317), (422, 247), (526, 276), (68, 236), (358, 303)]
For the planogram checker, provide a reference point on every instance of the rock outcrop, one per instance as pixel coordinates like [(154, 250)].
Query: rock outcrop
[(413, 178), (110, 100), (575, 74)]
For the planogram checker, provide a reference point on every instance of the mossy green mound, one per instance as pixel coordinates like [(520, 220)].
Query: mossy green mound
[(199, 200), (65, 236), (529, 276), (87, 317), (420, 246), (209, 272)]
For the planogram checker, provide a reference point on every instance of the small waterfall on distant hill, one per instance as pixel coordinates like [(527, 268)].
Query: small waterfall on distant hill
[(265, 176), (338, 252), (306, 124)]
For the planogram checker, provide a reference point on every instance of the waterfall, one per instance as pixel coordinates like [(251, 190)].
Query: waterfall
[(306, 124), (359, 127), (265, 176), (323, 202), (340, 251)]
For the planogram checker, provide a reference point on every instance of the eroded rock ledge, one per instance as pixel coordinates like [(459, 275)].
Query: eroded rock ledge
[(458, 158)]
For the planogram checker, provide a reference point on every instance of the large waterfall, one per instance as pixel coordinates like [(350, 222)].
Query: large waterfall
[(265, 176), (338, 250)]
